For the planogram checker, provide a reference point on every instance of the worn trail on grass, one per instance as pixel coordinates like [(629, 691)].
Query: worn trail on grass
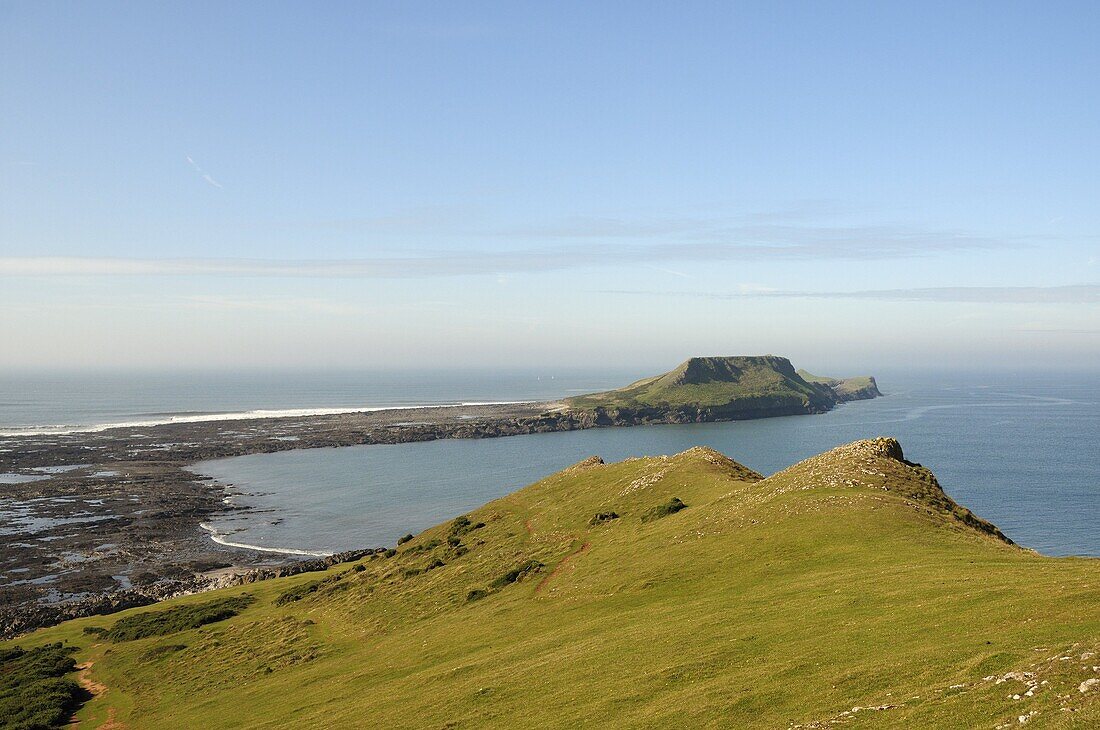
[(95, 689), (560, 566)]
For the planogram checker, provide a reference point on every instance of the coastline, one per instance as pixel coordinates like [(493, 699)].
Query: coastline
[(143, 514), (253, 415), (220, 539)]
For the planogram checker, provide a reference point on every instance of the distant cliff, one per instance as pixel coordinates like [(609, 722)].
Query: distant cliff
[(846, 389), (721, 389)]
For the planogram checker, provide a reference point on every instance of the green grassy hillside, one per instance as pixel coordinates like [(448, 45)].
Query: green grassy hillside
[(723, 386), (858, 388), (681, 591)]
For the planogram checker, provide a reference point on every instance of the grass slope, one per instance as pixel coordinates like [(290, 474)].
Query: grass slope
[(746, 382), (846, 389), (847, 581)]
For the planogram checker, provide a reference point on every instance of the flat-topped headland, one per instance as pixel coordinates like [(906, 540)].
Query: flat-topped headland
[(120, 525)]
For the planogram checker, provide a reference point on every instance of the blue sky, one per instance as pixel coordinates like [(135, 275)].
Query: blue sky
[(484, 184)]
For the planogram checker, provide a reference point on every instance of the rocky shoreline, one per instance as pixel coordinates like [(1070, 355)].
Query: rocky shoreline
[(117, 523), (38, 615)]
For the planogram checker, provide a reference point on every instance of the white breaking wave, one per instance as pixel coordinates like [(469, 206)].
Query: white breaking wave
[(63, 429), (220, 539)]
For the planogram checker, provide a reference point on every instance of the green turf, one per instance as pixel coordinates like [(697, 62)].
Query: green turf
[(856, 388), (847, 581), (725, 384), (176, 619)]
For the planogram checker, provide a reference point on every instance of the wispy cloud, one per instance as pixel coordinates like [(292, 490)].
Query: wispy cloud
[(467, 263), (567, 244), (810, 230), (1070, 294), (205, 175), (781, 231), (272, 304), (1058, 331)]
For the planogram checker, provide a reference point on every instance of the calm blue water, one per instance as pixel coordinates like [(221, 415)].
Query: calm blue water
[(1020, 451)]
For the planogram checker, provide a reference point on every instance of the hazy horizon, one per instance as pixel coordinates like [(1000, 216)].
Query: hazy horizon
[(855, 186)]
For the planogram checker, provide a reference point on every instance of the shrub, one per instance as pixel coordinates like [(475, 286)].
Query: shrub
[(297, 592), (517, 574), (95, 631), (404, 539), (461, 525), (670, 507), (359, 568), (424, 547), (476, 594), (34, 691), (389, 553), (330, 584), (181, 618), (601, 517), (432, 565)]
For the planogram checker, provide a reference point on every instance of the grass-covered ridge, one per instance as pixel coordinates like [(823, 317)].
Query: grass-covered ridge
[(849, 580), (857, 388), (729, 386), (173, 620)]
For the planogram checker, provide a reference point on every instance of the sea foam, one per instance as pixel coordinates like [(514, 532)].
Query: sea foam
[(63, 429)]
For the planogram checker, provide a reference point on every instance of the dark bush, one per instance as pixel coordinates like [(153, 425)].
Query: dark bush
[(332, 585), (404, 539), (35, 694), (297, 593), (181, 618), (390, 553), (359, 568), (424, 547), (476, 594), (461, 525), (432, 565), (670, 507), (517, 573), (95, 631), (601, 517)]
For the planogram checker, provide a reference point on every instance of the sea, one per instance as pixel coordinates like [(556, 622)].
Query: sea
[(1019, 449), (62, 402)]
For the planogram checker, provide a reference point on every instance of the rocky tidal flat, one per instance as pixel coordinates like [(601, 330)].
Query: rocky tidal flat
[(96, 522)]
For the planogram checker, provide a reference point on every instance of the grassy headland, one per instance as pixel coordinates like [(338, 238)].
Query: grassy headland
[(670, 591), (714, 388), (858, 388)]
